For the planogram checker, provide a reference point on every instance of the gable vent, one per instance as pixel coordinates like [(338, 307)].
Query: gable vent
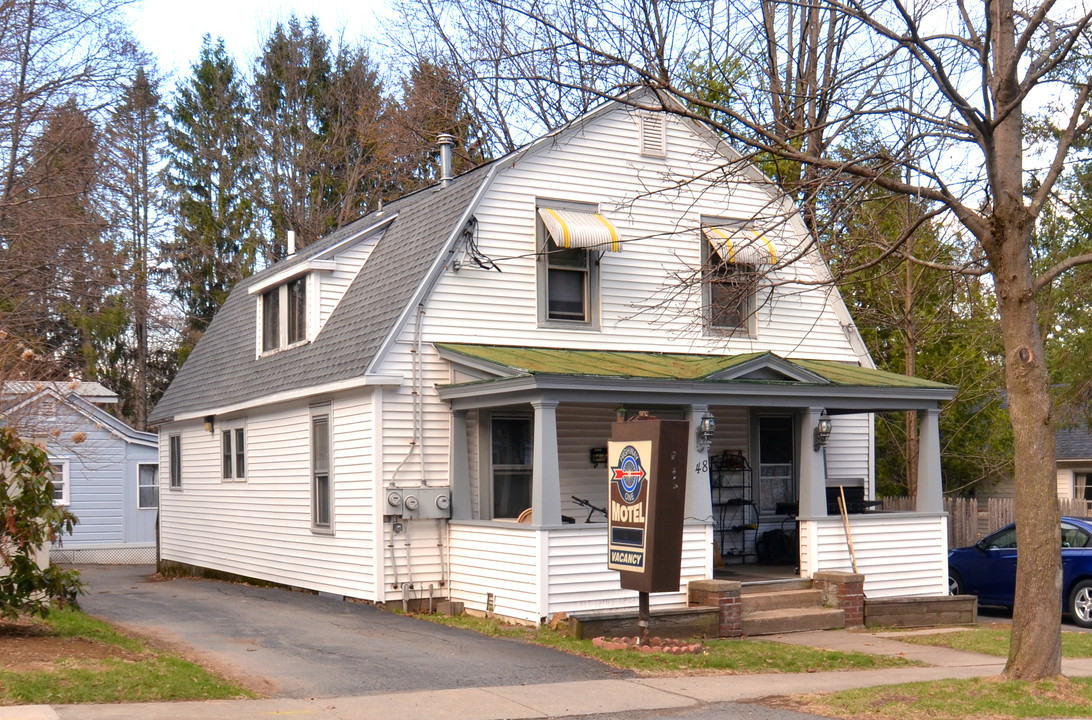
[(652, 134)]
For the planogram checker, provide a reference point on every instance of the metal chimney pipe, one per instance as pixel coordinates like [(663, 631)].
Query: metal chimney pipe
[(291, 242), (446, 142)]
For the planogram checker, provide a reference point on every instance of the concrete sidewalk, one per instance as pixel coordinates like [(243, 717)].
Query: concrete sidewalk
[(575, 698)]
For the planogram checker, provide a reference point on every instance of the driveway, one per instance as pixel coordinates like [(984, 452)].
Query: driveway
[(297, 645)]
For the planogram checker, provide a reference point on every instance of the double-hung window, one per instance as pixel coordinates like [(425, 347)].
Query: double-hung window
[(174, 461), (322, 491), (233, 453), (284, 315), (734, 259), (60, 482), (571, 238), (147, 486)]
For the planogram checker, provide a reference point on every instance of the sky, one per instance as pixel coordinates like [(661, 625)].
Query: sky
[(172, 30)]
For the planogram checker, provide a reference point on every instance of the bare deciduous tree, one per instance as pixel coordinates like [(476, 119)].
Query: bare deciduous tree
[(942, 87)]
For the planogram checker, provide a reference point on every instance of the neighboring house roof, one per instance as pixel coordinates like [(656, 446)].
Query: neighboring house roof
[(1074, 443), (224, 370), (85, 403), (92, 391)]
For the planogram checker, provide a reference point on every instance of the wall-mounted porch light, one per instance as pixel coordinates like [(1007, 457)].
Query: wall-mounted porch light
[(210, 423), (822, 430), (706, 427)]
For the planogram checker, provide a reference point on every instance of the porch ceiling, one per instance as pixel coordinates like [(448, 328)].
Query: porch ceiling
[(521, 373)]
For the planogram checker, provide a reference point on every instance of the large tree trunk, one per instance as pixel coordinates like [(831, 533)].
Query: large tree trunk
[(1035, 647)]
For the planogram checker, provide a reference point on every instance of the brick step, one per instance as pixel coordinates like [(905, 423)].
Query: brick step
[(781, 600), (775, 622)]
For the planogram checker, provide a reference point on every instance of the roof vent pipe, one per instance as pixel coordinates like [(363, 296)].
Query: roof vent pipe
[(291, 241), (446, 142)]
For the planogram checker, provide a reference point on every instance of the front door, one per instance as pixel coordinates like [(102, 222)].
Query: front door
[(776, 472)]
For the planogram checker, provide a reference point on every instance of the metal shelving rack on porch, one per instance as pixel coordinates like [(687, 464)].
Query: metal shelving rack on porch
[(734, 512)]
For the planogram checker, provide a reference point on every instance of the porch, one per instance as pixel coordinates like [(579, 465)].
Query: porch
[(526, 440)]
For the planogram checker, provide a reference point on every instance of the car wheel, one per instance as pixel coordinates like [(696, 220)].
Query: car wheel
[(955, 583), (1080, 603)]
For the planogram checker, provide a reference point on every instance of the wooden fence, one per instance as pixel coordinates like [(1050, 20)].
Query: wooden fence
[(970, 519)]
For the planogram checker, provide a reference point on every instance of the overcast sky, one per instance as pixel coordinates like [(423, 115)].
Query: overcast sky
[(172, 30)]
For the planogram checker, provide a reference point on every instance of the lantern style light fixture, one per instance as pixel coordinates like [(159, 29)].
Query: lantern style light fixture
[(822, 430), (210, 423), (706, 427)]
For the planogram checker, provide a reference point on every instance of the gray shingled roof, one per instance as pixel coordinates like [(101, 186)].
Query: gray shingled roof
[(1074, 443), (223, 370)]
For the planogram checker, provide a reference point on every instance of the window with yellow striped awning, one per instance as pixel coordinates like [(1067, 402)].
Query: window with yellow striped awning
[(576, 229), (742, 245)]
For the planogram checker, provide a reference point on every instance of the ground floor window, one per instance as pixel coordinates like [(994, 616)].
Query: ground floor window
[(147, 486), (60, 481), (512, 445), (322, 500), (1082, 489)]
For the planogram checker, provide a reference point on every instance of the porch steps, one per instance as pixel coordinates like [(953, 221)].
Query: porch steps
[(772, 608)]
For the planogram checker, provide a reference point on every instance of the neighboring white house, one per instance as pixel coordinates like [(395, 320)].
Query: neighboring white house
[(105, 471), (1074, 448), (369, 417)]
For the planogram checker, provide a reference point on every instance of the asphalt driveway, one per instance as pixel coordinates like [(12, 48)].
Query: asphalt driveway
[(297, 645)]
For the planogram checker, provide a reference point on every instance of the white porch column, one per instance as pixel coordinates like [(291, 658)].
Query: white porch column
[(930, 487), (461, 508), (545, 478), (813, 481), (698, 503)]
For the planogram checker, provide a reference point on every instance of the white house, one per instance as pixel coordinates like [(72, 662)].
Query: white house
[(104, 471), (369, 417)]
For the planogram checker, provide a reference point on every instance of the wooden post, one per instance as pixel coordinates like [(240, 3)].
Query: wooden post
[(644, 617)]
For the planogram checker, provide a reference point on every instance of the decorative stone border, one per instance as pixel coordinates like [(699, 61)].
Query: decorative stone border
[(662, 645)]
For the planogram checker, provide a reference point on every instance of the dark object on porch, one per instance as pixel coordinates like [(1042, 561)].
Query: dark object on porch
[(778, 547), (855, 502)]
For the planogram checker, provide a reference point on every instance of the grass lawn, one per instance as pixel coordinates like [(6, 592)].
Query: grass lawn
[(993, 639), (724, 656), (979, 698), (71, 657)]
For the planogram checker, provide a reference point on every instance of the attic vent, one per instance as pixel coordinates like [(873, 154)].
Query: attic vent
[(652, 134)]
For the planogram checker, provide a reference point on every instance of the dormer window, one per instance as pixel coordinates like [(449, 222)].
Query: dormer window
[(284, 315), (734, 259)]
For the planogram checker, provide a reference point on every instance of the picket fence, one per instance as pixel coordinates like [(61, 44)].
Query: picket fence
[(970, 519)]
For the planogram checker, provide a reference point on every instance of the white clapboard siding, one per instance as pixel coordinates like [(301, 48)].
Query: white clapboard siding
[(600, 165), (848, 452), (1066, 483), (532, 574), (261, 528), (900, 554), (498, 561), (579, 429)]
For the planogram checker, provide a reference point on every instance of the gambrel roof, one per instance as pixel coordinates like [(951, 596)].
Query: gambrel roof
[(223, 370)]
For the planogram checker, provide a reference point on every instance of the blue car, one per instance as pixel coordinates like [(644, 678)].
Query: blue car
[(988, 569)]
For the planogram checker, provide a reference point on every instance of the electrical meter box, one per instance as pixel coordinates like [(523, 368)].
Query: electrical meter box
[(646, 493)]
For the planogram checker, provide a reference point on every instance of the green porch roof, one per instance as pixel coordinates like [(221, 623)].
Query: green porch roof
[(677, 366)]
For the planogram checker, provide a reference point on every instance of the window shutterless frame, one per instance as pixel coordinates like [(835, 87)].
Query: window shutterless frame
[(61, 485), (233, 453), (147, 486), (567, 278), (322, 490), (174, 461)]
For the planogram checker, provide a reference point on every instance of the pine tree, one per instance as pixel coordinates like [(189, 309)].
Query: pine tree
[(212, 180)]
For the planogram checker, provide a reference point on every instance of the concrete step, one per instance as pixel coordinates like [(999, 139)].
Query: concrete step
[(765, 586), (776, 622), (781, 599)]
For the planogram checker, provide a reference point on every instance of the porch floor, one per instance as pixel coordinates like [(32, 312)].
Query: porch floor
[(746, 573)]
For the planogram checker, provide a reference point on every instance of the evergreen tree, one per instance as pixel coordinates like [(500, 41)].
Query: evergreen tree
[(212, 180)]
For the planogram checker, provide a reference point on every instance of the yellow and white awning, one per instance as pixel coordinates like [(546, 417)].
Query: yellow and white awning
[(742, 245), (575, 229)]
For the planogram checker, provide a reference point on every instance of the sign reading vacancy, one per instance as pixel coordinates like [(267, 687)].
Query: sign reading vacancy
[(646, 466), (628, 503)]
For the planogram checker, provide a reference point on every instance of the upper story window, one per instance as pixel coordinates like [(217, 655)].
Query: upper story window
[(571, 240), (284, 315), (734, 260)]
